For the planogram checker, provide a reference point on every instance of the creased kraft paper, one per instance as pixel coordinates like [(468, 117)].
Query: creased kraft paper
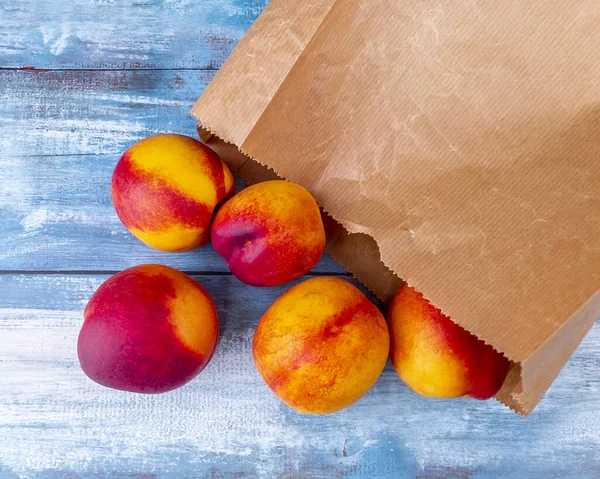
[(456, 143)]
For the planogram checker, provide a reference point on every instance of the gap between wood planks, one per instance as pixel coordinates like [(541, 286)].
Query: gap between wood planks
[(33, 69), (111, 272)]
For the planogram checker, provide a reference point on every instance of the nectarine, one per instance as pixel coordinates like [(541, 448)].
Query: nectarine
[(436, 357), (321, 345), (269, 233), (147, 329), (165, 189)]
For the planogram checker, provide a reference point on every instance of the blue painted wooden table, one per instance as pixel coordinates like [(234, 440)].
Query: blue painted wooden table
[(80, 81)]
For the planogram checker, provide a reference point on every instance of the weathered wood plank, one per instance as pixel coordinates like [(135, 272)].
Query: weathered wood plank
[(93, 112), (226, 423), (102, 34), (63, 132)]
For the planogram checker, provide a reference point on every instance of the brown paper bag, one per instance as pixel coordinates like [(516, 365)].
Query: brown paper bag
[(457, 143)]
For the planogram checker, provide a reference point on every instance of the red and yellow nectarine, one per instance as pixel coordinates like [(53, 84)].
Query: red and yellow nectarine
[(147, 329), (269, 233), (321, 345), (436, 357), (165, 189)]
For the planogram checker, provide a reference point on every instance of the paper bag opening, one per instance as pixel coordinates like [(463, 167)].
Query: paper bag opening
[(457, 151)]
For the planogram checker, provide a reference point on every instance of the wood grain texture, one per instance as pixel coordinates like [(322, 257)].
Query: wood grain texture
[(226, 423), (101, 34), (93, 112)]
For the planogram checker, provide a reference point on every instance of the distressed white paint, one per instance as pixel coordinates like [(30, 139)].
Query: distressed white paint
[(40, 217), (82, 112)]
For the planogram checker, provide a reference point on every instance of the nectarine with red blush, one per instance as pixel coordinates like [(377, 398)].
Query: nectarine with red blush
[(165, 189), (147, 329), (269, 233), (435, 356), (321, 345)]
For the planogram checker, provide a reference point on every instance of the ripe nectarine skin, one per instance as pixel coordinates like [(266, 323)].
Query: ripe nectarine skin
[(147, 329), (321, 345), (165, 188), (269, 233), (436, 357)]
